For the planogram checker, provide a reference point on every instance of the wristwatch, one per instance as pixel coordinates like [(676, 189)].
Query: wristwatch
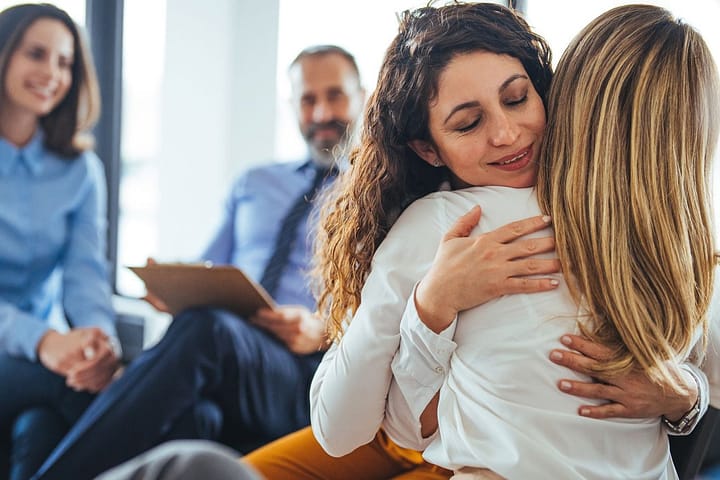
[(684, 424)]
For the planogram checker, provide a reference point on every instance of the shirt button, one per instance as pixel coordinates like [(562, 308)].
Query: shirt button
[(439, 369)]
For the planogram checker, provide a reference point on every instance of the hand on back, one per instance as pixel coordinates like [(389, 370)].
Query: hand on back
[(469, 271), (632, 395)]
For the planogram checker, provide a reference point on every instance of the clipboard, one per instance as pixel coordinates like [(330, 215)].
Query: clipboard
[(186, 285)]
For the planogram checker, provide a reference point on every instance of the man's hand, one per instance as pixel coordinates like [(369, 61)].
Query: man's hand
[(296, 326), (151, 298), (633, 395), (84, 356), (155, 302)]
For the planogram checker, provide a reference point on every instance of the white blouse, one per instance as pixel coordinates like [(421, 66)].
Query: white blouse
[(500, 406)]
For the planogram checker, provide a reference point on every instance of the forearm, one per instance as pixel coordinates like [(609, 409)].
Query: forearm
[(419, 368), (86, 288), (86, 284), (349, 390)]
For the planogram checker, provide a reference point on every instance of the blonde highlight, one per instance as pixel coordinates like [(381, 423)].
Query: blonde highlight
[(625, 170)]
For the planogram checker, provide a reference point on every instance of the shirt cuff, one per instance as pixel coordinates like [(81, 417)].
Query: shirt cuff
[(421, 364), (21, 336), (116, 347)]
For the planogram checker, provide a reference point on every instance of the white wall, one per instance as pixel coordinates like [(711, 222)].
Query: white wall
[(217, 112)]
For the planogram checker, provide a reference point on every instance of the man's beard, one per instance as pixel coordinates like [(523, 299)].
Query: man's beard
[(324, 152)]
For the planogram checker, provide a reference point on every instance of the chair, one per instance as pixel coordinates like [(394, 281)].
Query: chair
[(689, 452), (131, 333)]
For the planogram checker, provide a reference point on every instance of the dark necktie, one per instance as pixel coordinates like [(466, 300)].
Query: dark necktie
[(288, 233)]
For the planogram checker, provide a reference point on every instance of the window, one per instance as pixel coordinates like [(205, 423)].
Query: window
[(558, 29), (142, 74), (198, 95)]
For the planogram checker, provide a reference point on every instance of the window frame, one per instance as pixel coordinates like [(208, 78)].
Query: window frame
[(104, 22)]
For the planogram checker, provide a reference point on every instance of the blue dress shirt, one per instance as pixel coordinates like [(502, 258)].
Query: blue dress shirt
[(52, 244), (258, 202)]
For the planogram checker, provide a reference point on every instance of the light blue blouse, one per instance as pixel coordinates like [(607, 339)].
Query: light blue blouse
[(52, 244)]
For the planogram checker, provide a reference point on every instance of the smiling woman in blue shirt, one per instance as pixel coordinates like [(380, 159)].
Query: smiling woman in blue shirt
[(52, 236)]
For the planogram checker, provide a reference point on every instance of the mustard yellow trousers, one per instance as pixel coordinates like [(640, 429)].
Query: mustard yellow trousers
[(298, 456)]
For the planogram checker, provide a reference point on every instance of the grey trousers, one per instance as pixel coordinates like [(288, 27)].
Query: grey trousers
[(183, 460)]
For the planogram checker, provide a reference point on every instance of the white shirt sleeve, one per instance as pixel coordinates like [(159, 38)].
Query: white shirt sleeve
[(419, 369), (350, 388)]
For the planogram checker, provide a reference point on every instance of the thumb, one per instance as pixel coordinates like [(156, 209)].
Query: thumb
[(465, 224)]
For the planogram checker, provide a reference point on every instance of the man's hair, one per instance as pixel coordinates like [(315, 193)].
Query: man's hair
[(322, 50)]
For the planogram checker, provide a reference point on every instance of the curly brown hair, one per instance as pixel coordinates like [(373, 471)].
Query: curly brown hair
[(385, 174)]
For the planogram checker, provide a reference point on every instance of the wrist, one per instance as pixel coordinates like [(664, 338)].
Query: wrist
[(115, 347), (433, 312), (682, 419), (48, 338), (686, 402)]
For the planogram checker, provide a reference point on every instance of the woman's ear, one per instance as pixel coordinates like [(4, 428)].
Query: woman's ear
[(426, 151)]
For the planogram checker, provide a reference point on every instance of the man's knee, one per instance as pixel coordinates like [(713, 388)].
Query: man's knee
[(197, 327)]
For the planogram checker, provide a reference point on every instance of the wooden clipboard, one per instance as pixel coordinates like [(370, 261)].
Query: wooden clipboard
[(185, 285)]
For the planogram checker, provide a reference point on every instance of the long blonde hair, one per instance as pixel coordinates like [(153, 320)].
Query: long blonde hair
[(385, 174), (625, 172)]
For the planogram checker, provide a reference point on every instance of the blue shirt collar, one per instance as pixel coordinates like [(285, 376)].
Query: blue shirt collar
[(31, 155), (340, 165), (305, 166)]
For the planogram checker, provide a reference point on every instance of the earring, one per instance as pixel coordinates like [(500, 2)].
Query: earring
[(436, 163)]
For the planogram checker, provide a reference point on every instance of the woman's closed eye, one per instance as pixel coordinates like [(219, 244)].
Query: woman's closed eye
[(516, 101), (468, 127)]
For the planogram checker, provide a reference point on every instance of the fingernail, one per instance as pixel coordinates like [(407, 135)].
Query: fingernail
[(554, 283), (547, 218), (584, 412), (566, 340), (565, 385), (555, 355)]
